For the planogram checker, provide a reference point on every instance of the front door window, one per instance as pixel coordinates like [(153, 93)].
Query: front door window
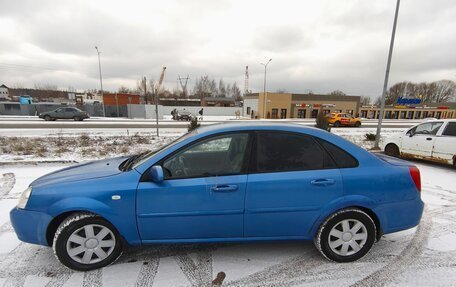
[(216, 156)]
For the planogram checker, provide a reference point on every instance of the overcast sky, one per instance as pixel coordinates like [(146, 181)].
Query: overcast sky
[(314, 45)]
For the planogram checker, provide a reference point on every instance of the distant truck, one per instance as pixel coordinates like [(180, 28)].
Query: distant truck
[(25, 100)]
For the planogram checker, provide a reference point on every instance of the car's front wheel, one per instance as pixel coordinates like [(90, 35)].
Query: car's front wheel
[(85, 241), (337, 124), (346, 235), (47, 118), (392, 150)]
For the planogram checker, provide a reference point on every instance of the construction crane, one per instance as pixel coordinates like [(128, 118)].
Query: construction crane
[(246, 84), (184, 85), (157, 89)]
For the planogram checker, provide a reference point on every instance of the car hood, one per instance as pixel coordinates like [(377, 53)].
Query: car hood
[(89, 170)]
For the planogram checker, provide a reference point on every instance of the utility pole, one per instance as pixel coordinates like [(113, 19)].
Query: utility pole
[(385, 84), (145, 89), (101, 80), (264, 88), (157, 89)]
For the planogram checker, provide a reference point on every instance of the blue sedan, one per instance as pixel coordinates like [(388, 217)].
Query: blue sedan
[(220, 183)]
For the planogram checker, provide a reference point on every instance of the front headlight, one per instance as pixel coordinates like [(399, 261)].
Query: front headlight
[(24, 198)]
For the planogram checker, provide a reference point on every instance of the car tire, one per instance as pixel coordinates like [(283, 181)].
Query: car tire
[(337, 124), (78, 250), (357, 124), (392, 150), (76, 119), (47, 118), (346, 236)]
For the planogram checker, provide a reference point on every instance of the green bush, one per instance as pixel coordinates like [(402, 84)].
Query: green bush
[(370, 137), (193, 124)]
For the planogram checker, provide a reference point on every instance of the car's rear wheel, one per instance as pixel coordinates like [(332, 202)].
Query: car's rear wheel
[(346, 235), (392, 150), (337, 124), (85, 241), (47, 118)]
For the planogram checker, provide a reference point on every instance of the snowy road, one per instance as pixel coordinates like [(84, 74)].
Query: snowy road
[(424, 256)]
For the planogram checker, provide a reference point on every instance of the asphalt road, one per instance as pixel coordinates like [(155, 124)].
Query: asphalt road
[(114, 123)]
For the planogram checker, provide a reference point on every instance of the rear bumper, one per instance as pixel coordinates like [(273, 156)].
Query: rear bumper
[(30, 226), (400, 216)]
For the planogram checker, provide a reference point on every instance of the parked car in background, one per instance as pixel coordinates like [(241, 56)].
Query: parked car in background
[(183, 115), (64, 113), (343, 119), (433, 140), (223, 183)]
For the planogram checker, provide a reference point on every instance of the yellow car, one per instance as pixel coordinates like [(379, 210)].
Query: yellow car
[(341, 119)]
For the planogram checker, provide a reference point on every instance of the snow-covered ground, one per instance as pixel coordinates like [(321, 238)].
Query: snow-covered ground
[(424, 256)]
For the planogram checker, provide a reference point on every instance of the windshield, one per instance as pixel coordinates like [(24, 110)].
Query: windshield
[(143, 157)]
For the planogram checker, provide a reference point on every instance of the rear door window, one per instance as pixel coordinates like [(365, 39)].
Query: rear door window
[(281, 152), (450, 129)]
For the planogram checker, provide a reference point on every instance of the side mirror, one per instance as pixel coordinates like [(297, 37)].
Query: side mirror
[(156, 173), (410, 134)]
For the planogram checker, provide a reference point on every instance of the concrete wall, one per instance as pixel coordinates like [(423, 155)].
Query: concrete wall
[(148, 111), (16, 109), (249, 106)]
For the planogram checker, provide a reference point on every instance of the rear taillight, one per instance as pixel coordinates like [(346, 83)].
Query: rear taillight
[(415, 174)]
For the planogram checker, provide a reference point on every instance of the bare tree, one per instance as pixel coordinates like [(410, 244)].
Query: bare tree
[(365, 101), (337, 93), (445, 91), (124, 90)]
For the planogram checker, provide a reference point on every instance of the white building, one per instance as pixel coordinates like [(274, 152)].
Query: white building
[(4, 94)]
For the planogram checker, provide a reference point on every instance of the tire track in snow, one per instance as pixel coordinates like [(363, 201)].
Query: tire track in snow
[(414, 249), (93, 278), (147, 273), (7, 182), (277, 274)]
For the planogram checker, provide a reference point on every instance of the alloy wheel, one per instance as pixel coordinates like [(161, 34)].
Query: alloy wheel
[(347, 237), (90, 244)]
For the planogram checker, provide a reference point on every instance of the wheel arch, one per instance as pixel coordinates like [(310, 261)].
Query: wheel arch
[(394, 144), (57, 220)]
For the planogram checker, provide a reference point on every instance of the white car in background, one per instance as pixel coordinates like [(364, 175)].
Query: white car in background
[(432, 140)]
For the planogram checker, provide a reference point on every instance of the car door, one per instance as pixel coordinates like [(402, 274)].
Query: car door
[(59, 113), (445, 144), (291, 178), (202, 195), (419, 140), (344, 119)]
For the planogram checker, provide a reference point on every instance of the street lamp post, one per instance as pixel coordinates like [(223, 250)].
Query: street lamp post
[(264, 87), (101, 79), (385, 84)]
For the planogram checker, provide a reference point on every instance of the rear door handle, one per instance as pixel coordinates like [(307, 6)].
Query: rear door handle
[(323, 181), (224, 188)]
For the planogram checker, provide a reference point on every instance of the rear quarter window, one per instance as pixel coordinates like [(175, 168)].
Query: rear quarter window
[(342, 158)]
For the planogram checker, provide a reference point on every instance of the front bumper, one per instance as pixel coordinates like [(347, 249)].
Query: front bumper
[(30, 226)]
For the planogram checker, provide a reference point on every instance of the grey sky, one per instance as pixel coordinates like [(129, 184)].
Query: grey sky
[(315, 45)]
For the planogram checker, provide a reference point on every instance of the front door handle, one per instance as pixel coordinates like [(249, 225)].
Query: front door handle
[(224, 188), (323, 181), (428, 139)]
